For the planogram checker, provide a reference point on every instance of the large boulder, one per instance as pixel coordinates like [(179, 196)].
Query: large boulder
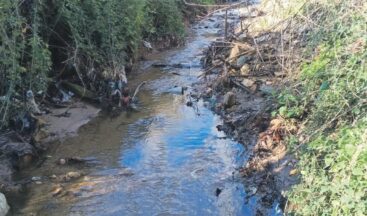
[(4, 207)]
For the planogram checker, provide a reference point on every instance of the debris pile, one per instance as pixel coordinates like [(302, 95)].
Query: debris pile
[(242, 75)]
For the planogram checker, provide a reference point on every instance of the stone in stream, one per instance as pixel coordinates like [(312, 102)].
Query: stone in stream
[(71, 161), (73, 175), (36, 178), (189, 103), (4, 207), (229, 100), (70, 176), (218, 191)]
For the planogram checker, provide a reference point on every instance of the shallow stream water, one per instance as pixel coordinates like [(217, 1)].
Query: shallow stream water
[(165, 159)]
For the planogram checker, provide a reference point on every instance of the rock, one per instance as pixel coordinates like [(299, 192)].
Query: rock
[(245, 70), (229, 100), (73, 175), (243, 60), (235, 51), (16, 148), (242, 37), (62, 161), (4, 207), (218, 191), (208, 92), (36, 178), (72, 160), (252, 191), (38, 182), (267, 89), (248, 83), (25, 160), (53, 176), (220, 127), (40, 135), (57, 190), (69, 176)]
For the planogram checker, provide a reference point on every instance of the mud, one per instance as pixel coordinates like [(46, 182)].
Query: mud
[(59, 126)]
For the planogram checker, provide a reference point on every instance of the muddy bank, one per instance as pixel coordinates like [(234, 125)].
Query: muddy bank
[(242, 76), (21, 151)]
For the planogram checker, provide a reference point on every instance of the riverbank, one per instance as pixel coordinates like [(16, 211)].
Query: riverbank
[(276, 82), (239, 83)]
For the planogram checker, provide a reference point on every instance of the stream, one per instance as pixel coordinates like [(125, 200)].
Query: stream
[(164, 159)]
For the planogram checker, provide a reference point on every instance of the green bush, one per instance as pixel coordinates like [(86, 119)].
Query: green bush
[(332, 100), (24, 55), (164, 19), (89, 39), (333, 169)]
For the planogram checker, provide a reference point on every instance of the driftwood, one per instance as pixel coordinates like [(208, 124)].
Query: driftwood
[(79, 90), (137, 90), (233, 81)]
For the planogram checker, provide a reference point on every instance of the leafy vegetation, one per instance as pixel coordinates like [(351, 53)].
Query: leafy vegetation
[(24, 55), (329, 99), (85, 41)]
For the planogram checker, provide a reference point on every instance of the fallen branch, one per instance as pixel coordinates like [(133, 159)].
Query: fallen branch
[(79, 90), (240, 85), (137, 90)]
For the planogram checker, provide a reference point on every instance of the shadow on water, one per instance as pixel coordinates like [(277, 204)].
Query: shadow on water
[(165, 159)]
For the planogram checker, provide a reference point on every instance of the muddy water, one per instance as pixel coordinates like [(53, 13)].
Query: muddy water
[(164, 159)]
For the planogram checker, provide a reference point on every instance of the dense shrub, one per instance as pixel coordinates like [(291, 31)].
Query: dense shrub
[(24, 55), (330, 101), (89, 41)]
